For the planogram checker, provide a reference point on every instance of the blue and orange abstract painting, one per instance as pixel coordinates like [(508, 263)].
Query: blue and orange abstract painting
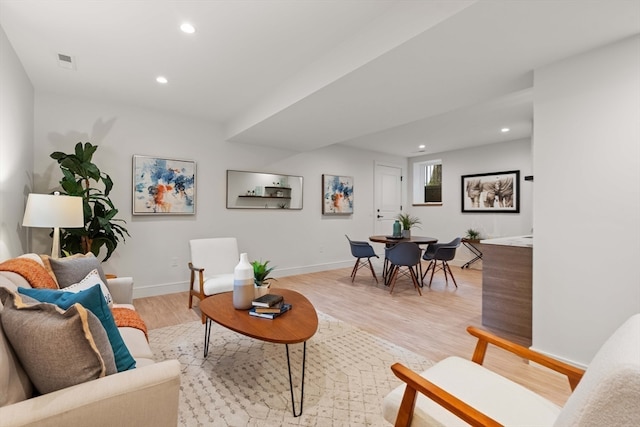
[(163, 186), (337, 194)]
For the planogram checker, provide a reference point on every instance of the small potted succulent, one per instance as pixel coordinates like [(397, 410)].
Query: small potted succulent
[(408, 222), (261, 277)]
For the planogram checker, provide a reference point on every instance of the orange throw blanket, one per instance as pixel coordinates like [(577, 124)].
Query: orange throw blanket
[(39, 278), (32, 271), (125, 317)]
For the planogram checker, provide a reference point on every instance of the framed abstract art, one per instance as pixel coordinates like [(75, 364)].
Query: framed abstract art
[(337, 195), (163, 186)]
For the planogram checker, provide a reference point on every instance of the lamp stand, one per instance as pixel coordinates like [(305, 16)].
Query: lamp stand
[(55, 249)]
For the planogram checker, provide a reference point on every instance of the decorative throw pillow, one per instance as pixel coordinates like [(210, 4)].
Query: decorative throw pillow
[(92, 300), (73, 269), (57, 348), (91, 279)]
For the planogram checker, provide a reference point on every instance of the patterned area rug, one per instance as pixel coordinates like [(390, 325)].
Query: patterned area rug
[(244, 382)]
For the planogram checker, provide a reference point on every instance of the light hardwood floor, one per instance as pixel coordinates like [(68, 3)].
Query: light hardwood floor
[(433, 325)]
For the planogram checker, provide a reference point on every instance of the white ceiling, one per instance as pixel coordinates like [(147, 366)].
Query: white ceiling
[(385, 75)]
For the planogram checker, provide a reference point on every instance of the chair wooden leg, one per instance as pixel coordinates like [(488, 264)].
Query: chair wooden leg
[(433, 270), (451, 273), (444, 269), (355, 270), (394, 275), (415, 280), (372, 270), (425, 272)]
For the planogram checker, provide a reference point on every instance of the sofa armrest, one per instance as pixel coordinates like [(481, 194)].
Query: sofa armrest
[(147, 396), (121, 289)]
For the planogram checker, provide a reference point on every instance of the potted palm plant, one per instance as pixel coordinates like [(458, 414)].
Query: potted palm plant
[(408, 222)]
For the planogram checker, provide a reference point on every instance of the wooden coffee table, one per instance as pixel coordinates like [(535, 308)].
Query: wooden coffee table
[(295, 326)]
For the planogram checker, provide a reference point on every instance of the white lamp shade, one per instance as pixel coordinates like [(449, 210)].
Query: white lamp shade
[(49, 210)]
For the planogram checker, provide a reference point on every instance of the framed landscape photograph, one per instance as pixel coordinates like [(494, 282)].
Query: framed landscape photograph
[(337, 195), (163, 186), (491, 192)]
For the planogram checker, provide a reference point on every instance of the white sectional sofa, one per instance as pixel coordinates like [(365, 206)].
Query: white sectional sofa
[(144, 396)]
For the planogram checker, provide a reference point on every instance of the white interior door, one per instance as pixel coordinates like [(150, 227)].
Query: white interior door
[(388, 197)]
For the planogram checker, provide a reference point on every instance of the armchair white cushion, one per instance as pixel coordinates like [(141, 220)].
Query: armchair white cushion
[(606, 395), (212, 263)]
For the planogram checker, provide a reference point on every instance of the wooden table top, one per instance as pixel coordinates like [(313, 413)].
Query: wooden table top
[(420, 240), (296, 325)]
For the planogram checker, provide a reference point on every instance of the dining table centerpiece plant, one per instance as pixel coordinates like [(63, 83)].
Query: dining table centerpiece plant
[(408, 222), (81, 177)]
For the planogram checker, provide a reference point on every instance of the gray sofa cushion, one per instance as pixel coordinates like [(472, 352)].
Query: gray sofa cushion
[(57, 348), (73, 269)]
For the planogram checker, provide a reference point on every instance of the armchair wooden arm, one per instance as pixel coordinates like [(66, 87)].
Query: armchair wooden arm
[(416, 383), (485, 338)]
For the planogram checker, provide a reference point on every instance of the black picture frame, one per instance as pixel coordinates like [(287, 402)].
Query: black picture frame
[(493, 192)]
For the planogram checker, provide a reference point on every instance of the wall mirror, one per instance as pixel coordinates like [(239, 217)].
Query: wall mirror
[(256, 190)]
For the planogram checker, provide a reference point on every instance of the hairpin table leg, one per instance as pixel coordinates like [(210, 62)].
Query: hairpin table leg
[(207, 336), (304, 358)]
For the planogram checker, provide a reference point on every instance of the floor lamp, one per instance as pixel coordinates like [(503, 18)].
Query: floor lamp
[(53, 211)]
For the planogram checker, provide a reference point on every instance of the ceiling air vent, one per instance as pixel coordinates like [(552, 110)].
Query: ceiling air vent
[(66, 61)]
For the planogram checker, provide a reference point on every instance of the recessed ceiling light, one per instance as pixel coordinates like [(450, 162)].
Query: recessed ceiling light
[(187, 28), (505, 130), (162, 80), (422, 146)]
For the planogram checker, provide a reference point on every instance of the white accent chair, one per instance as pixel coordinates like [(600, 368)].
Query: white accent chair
[(213, 260), (456, 391)]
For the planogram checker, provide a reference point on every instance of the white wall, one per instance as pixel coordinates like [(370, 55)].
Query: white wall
[(586, 156), (295, 241), (447, 221), (16, 149)]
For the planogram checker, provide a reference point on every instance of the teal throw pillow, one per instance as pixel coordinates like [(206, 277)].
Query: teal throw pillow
[(93, 300)]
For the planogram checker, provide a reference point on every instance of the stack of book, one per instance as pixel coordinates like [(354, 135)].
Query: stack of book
[(269, 306)]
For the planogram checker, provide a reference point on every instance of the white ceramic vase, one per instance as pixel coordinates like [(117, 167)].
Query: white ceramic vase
[(243, 292)]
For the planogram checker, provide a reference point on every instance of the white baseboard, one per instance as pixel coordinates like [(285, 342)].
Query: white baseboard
[(172, 288), (161, 289), (554, 356)]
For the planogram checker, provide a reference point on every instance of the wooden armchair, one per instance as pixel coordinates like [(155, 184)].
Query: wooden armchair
[(212, 263), (456, 390)]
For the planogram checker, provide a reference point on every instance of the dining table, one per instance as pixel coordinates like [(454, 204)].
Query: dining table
[(391, 241)]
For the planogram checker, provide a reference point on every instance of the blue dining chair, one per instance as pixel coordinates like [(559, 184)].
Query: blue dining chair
[(360, 250), (404, 254), (442, 252)]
